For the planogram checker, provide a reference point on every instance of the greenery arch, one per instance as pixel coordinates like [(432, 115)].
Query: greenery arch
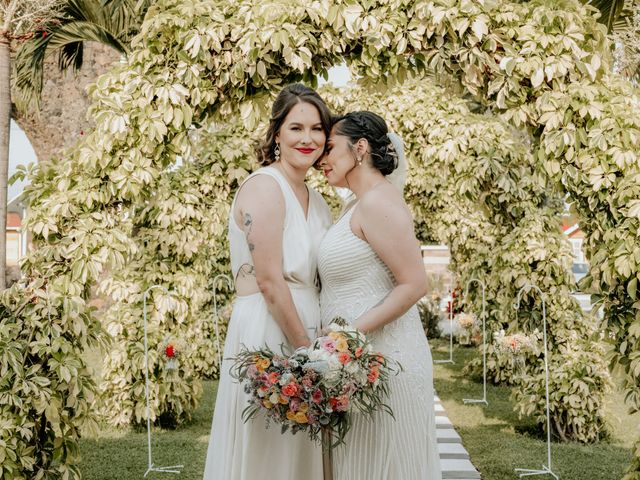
[(542, 68)]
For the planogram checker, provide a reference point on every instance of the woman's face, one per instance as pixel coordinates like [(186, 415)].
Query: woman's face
[(301, 136), (338, 159)]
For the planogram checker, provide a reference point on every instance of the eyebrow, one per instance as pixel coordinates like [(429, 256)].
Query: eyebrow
[(319, 124)]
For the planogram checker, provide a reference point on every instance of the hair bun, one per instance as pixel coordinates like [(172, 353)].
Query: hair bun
[(373, 128)]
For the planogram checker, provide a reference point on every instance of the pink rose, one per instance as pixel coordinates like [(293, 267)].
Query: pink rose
[(294, 404), (328, 344)]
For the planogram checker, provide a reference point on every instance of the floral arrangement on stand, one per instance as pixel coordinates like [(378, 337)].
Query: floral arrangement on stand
[(171, 350), (467, 324), (316, 389), (514, 349)]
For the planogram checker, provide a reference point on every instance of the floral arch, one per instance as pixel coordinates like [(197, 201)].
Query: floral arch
[(543, 69)]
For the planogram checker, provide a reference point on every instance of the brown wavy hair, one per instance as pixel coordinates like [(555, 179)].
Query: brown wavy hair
[(289, 97)]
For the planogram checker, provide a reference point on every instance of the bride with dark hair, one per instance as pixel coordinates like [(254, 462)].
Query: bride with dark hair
[(372, 275)]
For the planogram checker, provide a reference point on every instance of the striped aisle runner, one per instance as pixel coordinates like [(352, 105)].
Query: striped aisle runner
[(454, 458)]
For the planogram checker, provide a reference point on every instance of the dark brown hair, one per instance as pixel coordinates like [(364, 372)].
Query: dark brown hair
[(372, 127), (289, 97)]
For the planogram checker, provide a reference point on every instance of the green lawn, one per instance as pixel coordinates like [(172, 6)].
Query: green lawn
[(122, 455), (488, 433)]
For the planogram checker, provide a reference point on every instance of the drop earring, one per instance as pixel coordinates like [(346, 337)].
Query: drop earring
[(358, 161), (276, 152)]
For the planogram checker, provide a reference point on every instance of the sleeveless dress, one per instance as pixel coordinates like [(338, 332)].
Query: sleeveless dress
[(354, 279), (249, 451)]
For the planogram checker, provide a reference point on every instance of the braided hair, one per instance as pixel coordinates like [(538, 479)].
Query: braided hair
[(373, 128)]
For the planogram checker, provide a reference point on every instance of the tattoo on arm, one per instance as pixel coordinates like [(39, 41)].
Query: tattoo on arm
[(248, 224), (248, 270)]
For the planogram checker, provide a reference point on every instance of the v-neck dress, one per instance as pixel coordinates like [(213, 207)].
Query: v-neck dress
[(248, 451)]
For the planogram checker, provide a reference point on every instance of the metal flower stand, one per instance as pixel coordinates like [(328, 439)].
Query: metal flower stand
[(450, 359), (151, 467), (546, 469), (484, 345)]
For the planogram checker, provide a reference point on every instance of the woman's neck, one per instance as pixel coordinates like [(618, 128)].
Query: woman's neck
[(362, 181), (294, 176)]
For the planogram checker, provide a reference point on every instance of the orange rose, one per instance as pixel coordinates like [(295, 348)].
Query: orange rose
[(359, 352), (344, 357), (262, 364), (291, 415), (290, 389)]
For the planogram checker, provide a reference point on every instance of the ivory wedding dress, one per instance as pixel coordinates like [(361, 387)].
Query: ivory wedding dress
[(354, 279), (249, 451)]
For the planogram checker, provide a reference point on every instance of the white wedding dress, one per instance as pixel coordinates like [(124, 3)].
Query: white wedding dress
[(353, 280), (249, 451)]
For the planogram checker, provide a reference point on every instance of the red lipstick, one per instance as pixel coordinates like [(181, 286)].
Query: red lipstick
[(305, 151)]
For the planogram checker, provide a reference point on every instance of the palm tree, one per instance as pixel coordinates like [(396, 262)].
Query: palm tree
[(109, 22), (18, 19)]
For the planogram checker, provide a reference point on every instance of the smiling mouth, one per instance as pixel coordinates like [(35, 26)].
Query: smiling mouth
[(306, 151), (327, 172)]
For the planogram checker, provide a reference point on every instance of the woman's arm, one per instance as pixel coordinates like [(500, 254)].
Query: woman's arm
[(262, 212), (387, 225)]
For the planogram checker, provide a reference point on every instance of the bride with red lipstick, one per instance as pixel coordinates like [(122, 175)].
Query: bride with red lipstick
[(275, 227)]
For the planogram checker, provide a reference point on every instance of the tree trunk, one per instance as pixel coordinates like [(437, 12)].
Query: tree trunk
[(5, 119), (62, 119)]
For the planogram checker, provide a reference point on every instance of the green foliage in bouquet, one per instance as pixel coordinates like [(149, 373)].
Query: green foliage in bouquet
[(541, 66)]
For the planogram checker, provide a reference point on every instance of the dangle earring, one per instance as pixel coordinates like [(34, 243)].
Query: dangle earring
[(276, 152), (358, 161)]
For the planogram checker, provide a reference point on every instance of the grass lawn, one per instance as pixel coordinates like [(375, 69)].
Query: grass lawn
[(122, 454), (488, 433)]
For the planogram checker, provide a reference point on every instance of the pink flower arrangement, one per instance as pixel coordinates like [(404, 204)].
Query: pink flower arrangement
[(317, 388)]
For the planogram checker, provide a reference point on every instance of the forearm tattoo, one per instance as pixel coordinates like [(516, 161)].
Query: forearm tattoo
[(248, 224)]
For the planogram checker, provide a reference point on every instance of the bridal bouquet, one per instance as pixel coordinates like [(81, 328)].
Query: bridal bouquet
[(317, 388)]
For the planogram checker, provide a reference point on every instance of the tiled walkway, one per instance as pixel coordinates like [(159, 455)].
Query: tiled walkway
[(454, 458)]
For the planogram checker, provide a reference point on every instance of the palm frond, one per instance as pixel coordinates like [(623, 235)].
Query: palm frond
[(610, 11), (110, 22)]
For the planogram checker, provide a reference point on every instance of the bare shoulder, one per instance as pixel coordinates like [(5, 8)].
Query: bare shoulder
[(260, 197), (260, 190), (384, 205)]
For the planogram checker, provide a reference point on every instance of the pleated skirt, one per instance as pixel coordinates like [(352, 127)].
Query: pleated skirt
[(405, 446)]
